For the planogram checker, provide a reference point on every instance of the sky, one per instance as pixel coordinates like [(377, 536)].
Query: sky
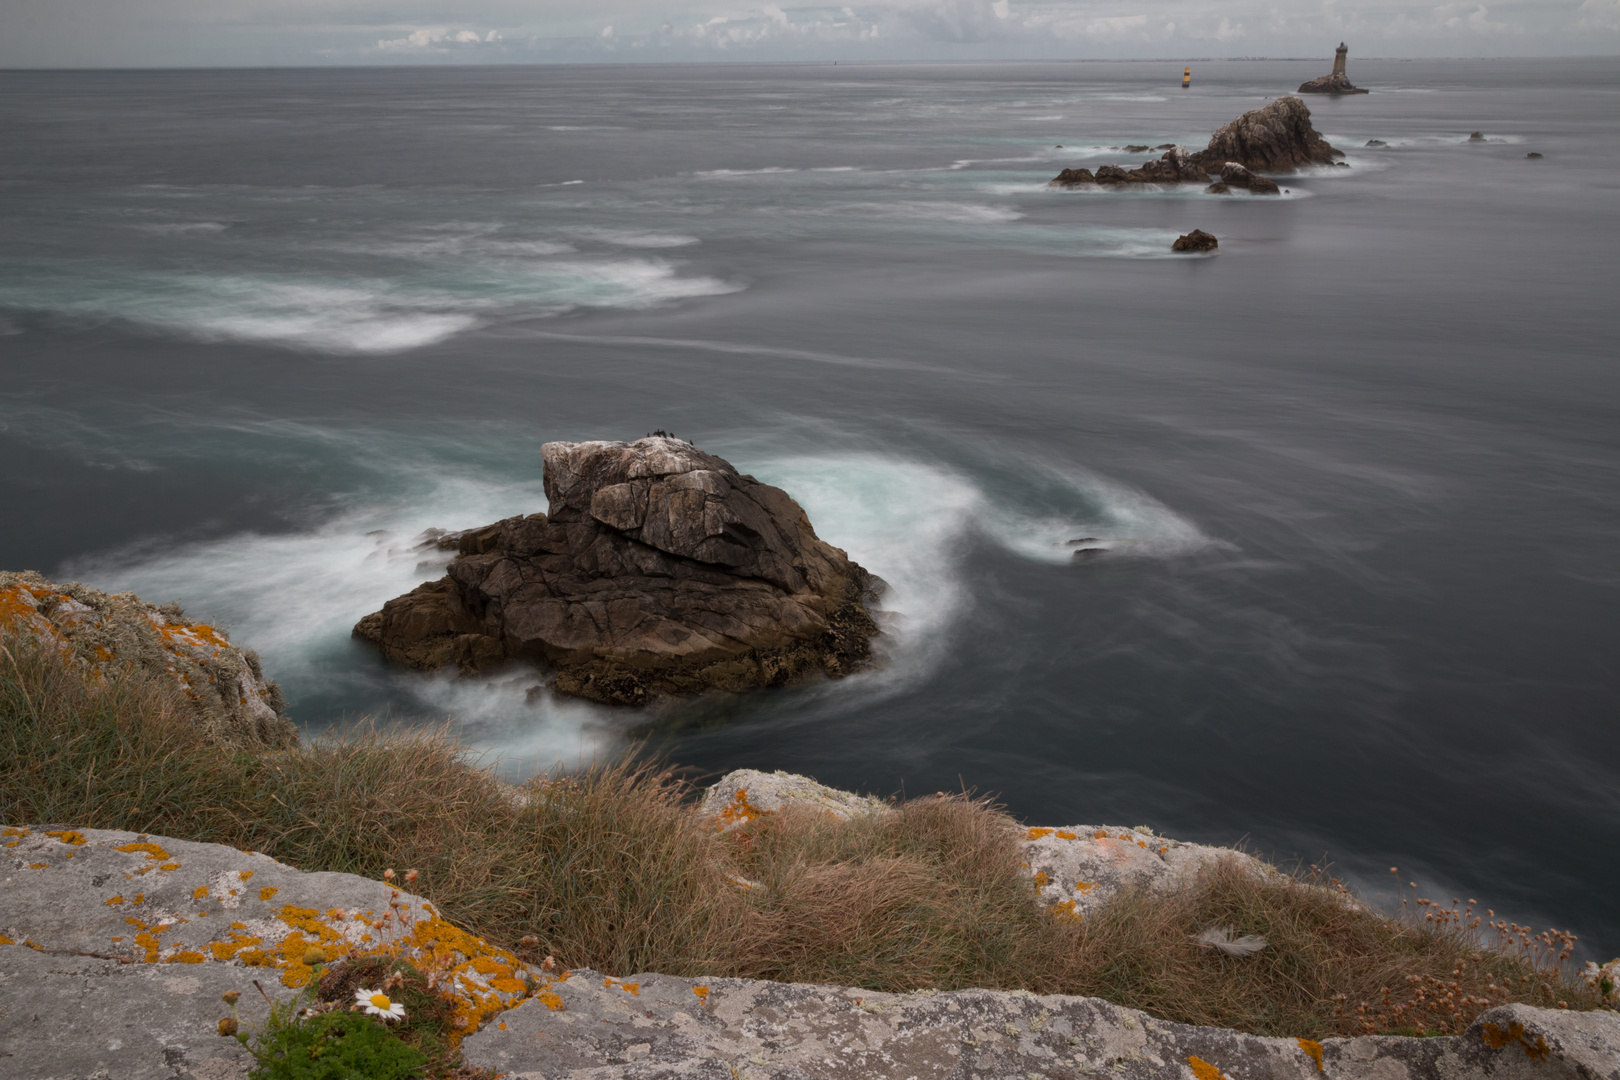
[(178, 33)]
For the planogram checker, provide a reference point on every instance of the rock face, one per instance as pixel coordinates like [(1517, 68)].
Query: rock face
[(659, 570), (1234, 175), (115, 948), (234, 703), (1197, 240), (1337, 82), (1275, 138), (657, 1027)]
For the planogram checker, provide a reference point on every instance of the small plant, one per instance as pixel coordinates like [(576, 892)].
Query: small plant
[(334, 1046)]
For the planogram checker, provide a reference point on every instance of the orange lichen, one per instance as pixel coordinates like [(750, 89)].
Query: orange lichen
[(114, 900), (38, 865), (629, 988), (151, 851), (1036, 834), (186, 958), (1204, 1070), (550, 1000), (1313, 1049), (170, 866), (702, 992), (6, 941), (1065, 834), (1041, 879), (68, 836), (1065, 909), (270, 891), (200, 893), (1084, 887), (739, 810), (1498, 1038)]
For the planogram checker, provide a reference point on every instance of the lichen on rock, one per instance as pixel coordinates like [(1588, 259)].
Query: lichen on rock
[(234, 704)]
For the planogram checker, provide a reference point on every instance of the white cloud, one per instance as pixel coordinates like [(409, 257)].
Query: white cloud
[(437, 40)]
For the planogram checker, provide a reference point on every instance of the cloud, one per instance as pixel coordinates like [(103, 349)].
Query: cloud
[(1600, 14), (438, 40)]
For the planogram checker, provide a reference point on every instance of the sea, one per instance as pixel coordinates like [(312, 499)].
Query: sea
[(1355, 475)]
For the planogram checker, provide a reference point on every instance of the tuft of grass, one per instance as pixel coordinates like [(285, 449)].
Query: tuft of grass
[(612, 868)]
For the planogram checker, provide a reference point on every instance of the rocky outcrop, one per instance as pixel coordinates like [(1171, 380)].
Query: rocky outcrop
[(1197, 240), (1234, 175), (658, 1027), (658, 570), (1276, 138), (233, 703), (115, 948), (1335, 83)]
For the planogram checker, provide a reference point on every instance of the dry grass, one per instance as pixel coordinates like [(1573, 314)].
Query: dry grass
[(612, 869)]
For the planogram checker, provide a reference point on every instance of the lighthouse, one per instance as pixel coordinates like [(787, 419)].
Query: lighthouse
[(1338, 62)]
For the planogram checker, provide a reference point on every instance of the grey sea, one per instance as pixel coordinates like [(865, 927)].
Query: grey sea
[(1356, 472)]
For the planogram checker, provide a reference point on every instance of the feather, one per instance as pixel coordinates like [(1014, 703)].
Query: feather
[(1220, 937)]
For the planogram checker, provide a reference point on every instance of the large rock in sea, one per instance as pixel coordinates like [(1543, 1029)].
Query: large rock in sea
[(1274, 138), (659, 570), (233, 703)]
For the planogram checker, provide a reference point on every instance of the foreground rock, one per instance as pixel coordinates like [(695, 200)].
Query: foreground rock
[(659, 571), (1197, 240), (657, 1027), (1075, 869), (1335, 83), (1275, 138), (225, 686), (115, 947)]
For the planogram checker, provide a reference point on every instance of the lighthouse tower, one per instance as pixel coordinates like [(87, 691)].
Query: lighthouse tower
[(1338, 62)]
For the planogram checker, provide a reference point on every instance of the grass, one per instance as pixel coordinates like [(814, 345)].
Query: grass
[(612, 868)]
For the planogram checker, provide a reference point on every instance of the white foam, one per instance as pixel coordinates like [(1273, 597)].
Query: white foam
[(629, 238), (918, 210), (181, 227)]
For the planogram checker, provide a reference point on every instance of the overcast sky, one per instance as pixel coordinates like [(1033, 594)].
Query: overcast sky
[(99, 33)]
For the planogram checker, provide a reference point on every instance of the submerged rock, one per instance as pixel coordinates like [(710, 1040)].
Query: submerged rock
[(1235, 175), (1073, 178), (230, 698), (1476, 136), (658, 571), (1376, 142), (1197, 240), (1532, 154)]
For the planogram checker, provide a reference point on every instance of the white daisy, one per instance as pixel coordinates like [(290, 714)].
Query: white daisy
[(377, 1003)]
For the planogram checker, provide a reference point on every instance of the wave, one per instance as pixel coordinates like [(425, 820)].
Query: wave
[(182, 227), (351, 315)]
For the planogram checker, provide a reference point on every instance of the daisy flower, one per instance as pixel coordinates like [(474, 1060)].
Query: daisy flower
[(377, 1003)]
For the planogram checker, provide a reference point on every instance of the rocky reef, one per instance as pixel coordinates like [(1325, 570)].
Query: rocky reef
[(225, 686), (659, 570), (1336, 82), (1275, 138), (1197, 240)]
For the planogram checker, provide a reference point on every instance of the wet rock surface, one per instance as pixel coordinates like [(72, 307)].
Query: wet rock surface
[(232, 701), (1275, 138), (1197, 240), (659, 570), (1329, 84)]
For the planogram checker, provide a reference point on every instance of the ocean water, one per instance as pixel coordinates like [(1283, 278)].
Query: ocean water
[(1356, 471)]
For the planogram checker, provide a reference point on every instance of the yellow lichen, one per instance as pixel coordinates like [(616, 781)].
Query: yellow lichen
[(1036, 834), (170, 866), (1065, 909), (200, 893), (629, 988), (151, 851), (68, 836), (1313, 1049), (38, 865), (1204, 1070), (6, 941), (1065, 834), (113, 900), (270, 891)]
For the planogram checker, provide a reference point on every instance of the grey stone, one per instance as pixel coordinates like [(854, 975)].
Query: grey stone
[(657, 1027), (225, 687)]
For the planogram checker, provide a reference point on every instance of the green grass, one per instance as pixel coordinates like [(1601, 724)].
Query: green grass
[(612, 868)]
